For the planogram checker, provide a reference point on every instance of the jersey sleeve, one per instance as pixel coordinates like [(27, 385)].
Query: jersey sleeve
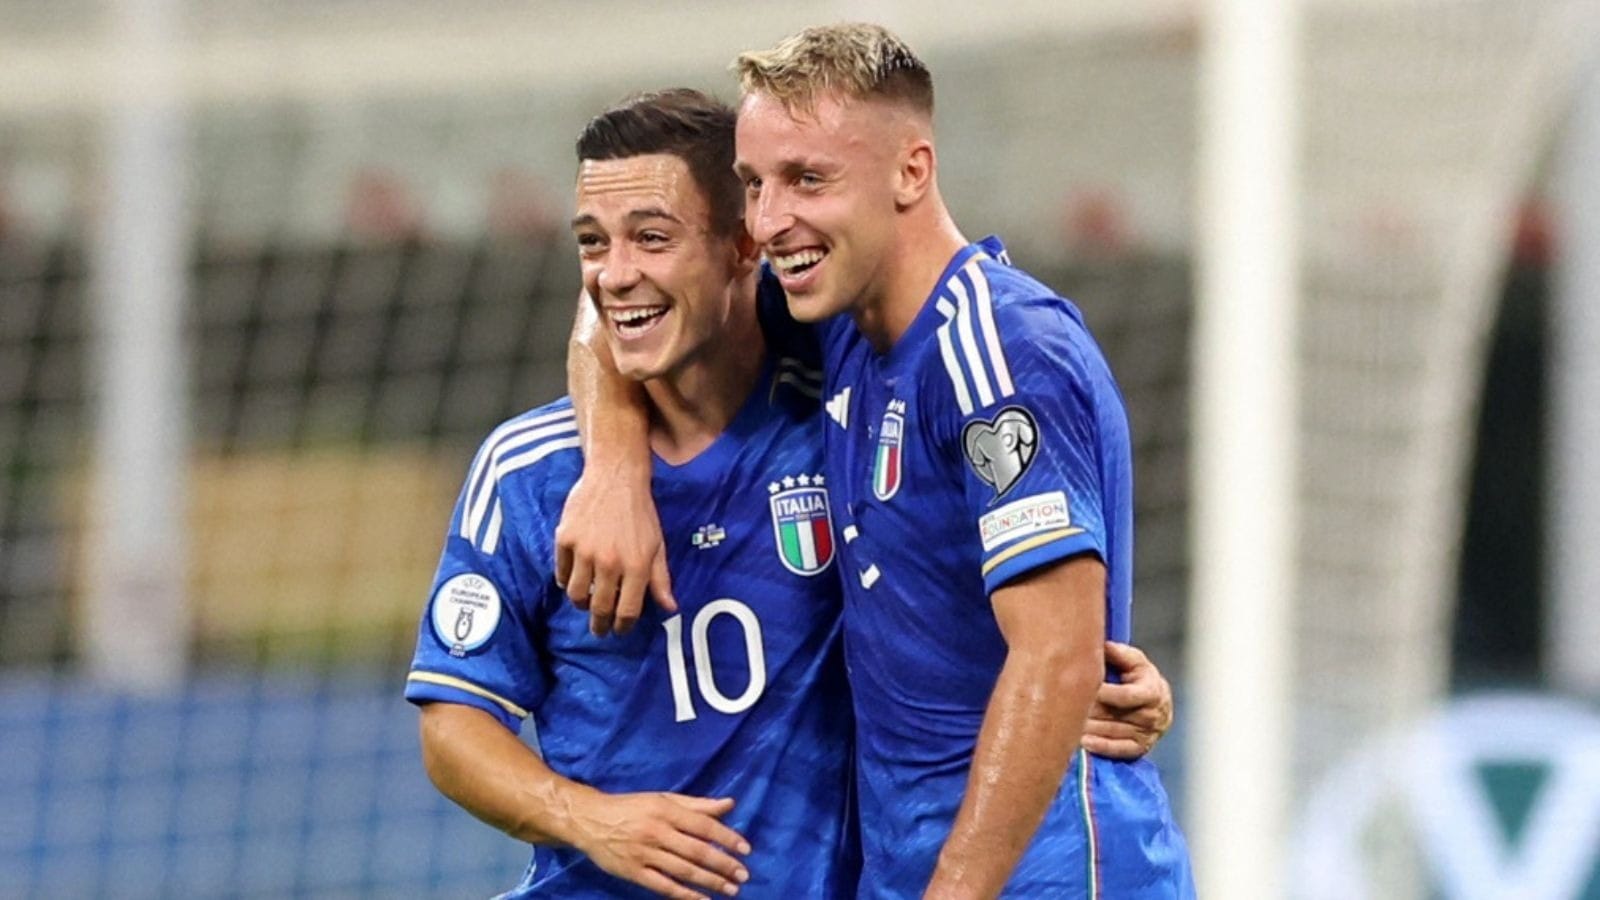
[(1026, 434), (479, 639)]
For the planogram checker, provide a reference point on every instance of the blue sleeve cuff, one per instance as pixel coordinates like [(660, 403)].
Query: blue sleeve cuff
[(1040, 550), (432, 687)]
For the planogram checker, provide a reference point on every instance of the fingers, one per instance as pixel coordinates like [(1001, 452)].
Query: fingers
[(563, 561), (698, 863), (1125, 657), (701, 820), (711, 806), (580, 581), (1116, 730), (1129, 695), (603, 601), (1113, 749), (661, 582), (652, 880), (630, 602)]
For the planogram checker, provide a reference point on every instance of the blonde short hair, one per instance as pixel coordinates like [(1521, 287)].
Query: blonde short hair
[(857, 60)]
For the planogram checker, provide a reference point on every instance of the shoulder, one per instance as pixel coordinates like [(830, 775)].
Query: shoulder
[(519, 467), (1000, 323)]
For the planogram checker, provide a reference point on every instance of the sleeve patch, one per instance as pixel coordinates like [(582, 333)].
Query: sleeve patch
[(1022, 518), (466, 610), (1002, 448)]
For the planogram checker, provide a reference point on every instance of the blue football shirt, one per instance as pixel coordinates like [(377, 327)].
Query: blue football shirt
[(989, 441), (740, 694)]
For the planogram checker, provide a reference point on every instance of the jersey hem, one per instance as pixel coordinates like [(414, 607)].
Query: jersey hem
[(1036, 552), (459, 684)]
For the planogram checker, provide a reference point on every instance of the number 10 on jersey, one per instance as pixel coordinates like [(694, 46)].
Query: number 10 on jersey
[(704, 673)]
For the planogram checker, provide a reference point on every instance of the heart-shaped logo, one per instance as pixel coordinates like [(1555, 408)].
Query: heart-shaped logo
[(1001, 449)]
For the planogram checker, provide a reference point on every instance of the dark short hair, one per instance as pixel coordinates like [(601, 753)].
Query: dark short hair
[(682, 122)]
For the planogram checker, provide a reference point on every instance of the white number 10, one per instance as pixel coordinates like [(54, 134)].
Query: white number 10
[(683, 704)]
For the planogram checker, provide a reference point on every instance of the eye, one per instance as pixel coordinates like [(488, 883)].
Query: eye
[(653, 238), (752, 186), (810, 180), (590, 244)]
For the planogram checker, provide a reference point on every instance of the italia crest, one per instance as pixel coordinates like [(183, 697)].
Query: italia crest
[(886, 462), (801, 523)]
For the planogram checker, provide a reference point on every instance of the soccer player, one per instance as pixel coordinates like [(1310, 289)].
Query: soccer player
[(708, 749), (978, 459)]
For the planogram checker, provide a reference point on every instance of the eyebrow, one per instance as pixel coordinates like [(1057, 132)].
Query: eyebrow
[(638, 215)]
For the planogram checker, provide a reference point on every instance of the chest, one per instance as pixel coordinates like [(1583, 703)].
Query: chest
[(896, 482)]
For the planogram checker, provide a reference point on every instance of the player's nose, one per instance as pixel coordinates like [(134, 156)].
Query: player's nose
[(619, 272), (769, 217)]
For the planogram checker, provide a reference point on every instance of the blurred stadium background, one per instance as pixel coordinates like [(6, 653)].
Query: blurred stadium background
[(268, 273)]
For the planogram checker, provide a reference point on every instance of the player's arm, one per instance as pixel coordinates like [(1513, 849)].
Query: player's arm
[(660, 841), (1053, 622), (609, 547), (1131, 714)]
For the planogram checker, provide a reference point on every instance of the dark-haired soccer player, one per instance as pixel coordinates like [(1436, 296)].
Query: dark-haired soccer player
[(721, 730), (979, 463)]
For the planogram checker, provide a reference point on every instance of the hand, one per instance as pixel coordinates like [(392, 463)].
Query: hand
[(1128, 718), (662, 842), (609, 550)]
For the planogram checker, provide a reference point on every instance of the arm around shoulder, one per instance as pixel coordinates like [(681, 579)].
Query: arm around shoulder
[(609, 546)]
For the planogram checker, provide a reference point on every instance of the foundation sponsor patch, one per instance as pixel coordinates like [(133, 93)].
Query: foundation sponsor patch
[(1021, 518)]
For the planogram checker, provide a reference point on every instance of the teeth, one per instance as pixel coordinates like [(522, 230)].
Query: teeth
[(635, 314), (792, 261)]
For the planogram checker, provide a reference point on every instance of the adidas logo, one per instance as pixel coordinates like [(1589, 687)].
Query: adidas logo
[(839, 408)]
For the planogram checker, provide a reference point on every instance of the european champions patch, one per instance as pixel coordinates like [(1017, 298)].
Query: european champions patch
[(466, 609), (1001, 449)]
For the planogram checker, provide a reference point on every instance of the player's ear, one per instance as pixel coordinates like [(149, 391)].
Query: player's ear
[(747, 251), (915, 175)]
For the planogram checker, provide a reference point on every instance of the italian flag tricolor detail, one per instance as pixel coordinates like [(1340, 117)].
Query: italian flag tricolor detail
[(803, 528), (886, 462)]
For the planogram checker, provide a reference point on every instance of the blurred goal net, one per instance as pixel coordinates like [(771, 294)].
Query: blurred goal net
[(379, 274)]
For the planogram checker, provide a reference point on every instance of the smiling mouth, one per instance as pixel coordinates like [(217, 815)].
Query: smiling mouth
[(797, 263), (634, 321)]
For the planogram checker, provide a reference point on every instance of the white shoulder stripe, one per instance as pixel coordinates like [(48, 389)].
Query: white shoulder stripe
[(481, 465), (958, 379), (478, 503), (491, 538), (984, 302), (969, 343), (491, 535)]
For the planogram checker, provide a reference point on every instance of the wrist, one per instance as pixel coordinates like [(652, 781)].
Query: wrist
[(573, 824), (625, 459)]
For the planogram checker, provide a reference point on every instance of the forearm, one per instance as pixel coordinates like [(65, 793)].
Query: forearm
[(1030, 730), (613, 418), (488, 771)]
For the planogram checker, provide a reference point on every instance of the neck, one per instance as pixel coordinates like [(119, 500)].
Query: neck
[(694, 404), (924, 246)]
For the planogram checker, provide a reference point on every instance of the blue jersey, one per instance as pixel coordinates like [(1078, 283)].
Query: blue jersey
[(989, 441), (740, 694)]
